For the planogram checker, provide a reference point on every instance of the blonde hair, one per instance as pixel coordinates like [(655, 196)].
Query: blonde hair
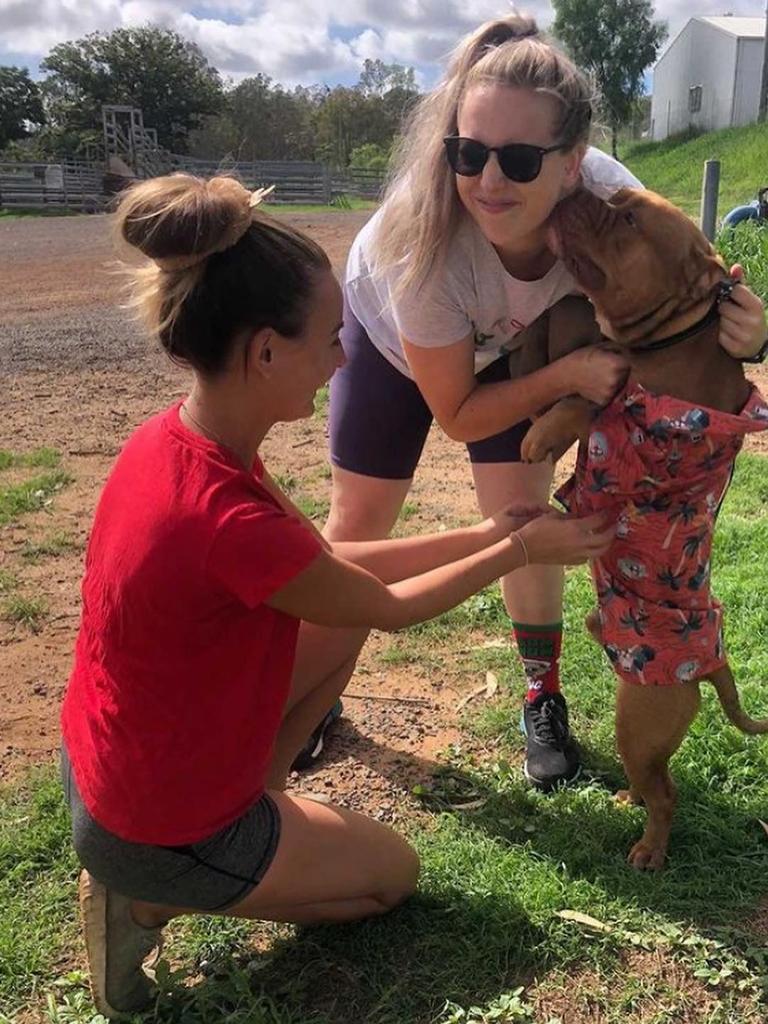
[(422, 208), (216, 266)]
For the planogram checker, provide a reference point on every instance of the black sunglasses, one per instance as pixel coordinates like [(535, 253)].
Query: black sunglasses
[(519, 161)]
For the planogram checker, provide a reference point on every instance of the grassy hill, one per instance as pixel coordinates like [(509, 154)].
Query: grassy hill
[(675, 169), (675, 166)]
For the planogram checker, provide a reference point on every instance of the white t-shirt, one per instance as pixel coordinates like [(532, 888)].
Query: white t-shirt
[(472, 293)]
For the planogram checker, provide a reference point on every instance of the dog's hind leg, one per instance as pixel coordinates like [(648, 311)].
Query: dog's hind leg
[(651, 723), (592, 622)]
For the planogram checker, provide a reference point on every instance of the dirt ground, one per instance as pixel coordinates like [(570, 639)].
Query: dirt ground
[(79, 376)]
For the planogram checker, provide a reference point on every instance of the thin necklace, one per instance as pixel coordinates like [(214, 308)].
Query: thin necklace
[(206, 431)]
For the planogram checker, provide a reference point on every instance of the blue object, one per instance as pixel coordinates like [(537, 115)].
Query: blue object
[(750, 211)]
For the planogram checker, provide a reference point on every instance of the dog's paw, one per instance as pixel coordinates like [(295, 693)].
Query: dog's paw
[(645, 856), (537, 444)]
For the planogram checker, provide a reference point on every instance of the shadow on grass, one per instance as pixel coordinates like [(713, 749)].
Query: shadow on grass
[(403, 967), (717, 870), (718, 857)]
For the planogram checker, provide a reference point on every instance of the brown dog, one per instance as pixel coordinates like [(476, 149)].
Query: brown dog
[(659, 458)]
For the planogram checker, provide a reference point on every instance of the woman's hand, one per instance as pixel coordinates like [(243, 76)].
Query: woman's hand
[(557, 539), (594, 373), (509, 520), (742, 320)]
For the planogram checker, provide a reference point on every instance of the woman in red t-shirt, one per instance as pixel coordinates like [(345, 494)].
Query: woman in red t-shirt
[(205, 659)]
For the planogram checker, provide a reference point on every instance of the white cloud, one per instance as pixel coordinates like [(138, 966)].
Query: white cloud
[(295, 41)]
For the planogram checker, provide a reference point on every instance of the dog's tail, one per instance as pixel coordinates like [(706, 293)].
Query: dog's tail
[(728, 695)]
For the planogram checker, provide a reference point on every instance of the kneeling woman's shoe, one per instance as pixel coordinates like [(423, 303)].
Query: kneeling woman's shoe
[(117, 948)]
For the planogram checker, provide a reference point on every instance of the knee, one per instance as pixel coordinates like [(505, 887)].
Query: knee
[(353, 519), (406, 883)]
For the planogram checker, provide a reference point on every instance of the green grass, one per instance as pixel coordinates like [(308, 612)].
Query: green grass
[(20, 499), (350, 203), (675, 166), (495, 879), (321, 401), (8, 581), (50, 546), (44, 458), (24, 611), (747, 243)]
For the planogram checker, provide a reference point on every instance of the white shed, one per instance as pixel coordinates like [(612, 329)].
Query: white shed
[(709, 76)]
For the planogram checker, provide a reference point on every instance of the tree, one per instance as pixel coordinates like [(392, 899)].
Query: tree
[(370, 156), (154, 69), (342, 123), (377, 78), (20, 105), (616, 40)]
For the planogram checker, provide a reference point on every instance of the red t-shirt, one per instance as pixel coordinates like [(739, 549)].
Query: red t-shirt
[(181, 670)]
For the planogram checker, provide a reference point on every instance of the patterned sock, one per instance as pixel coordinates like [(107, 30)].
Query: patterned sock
[(539, 649)]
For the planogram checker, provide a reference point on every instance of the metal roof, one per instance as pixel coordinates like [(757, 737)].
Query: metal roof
[(744, 28)]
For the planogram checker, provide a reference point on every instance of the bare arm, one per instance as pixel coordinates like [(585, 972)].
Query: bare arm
[(333, 592), (397, 558), (469, 411)]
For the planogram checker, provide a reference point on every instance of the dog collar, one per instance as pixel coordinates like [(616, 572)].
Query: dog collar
[(724, 290)]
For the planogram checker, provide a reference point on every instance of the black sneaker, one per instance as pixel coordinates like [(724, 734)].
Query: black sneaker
[(552, 755), (313, 748)]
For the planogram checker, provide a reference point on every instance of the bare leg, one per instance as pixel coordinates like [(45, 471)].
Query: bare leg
[(651, 723), (331, 865), (533, 595), (363, 507)]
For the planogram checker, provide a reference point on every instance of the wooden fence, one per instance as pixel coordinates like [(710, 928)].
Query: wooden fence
[(294, 181), (59, 186), (80, 186)]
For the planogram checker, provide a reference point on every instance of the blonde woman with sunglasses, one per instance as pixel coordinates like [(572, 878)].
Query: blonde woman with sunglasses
[(439, 286)]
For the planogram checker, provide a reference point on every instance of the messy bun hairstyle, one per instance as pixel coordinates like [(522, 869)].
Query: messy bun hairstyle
[(422, 207), (218, 267)]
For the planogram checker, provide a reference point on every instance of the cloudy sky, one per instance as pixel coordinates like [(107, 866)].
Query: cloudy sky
[(294, 41)]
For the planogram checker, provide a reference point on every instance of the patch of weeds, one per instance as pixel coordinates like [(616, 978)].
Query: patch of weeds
[(40, 458), (312, 508), (321, 401), (37, 493), (507, 1008), (286, 482), (49, 547), (8, 581), (409, 510), (25, 611)]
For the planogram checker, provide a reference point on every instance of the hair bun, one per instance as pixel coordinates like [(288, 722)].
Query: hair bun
[(508, 29), (178, 220), (488, 37)]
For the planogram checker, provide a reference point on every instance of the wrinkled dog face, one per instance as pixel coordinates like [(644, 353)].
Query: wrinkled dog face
[(639, 259)]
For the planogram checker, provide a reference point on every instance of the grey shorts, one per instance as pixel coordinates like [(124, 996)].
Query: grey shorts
[(209, 875)]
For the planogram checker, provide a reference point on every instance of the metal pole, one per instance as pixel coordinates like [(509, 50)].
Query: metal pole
[(709, 192), (763, 111)]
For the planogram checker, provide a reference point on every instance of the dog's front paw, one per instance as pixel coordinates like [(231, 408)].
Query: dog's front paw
[(647, 856), (538, 442)]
